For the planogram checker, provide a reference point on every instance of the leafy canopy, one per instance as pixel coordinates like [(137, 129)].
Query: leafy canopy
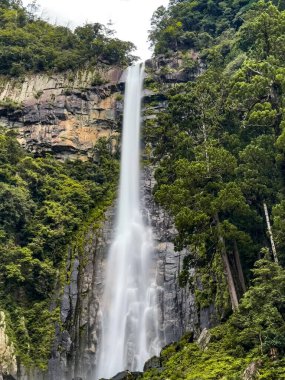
[(30, 44)]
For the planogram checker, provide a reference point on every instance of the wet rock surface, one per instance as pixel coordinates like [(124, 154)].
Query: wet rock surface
[(74, 351), (67, 122), (154, 362), (177, 68), (126, 375), (178, 312)]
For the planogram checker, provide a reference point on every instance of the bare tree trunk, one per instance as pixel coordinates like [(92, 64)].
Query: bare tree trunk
[(227, 267), (269, 229), (230, 280), (239, 267), (206, 149)]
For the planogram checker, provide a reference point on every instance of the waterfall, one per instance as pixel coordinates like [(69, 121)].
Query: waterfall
[(130, 331)]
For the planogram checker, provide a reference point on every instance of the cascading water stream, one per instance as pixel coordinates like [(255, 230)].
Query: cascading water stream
[(130, 333)]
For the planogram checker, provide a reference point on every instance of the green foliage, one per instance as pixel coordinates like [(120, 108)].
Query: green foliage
[(219, 152), (10, 105), (265, 27), (260, 320), (191, 24), (219, 146), (30, 44), (253, 334), (43, 205)]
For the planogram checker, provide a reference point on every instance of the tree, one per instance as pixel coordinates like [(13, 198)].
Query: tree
[(265, 28), (43, 203), (260, 178), (260, 320), (30, 44), (202, 198)]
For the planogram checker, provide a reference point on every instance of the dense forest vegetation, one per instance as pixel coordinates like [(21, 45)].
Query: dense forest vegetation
[(30, 44), (219, 151), (47, 206), (44, 204)]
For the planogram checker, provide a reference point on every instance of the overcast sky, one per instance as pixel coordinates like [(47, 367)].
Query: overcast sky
[(131, 18)]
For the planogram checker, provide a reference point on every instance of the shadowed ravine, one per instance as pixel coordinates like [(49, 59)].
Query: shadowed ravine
[(130, 331)]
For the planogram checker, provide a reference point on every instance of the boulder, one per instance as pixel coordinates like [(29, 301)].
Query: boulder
[(126, 375), (204, 339), (251, 372), (154, 362)]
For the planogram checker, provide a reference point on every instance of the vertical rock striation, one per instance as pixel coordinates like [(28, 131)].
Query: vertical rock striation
[(177, 305), (74, 350), (55, 116), (64, 114)]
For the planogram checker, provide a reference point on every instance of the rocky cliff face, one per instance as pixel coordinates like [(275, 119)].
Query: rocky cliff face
[(178, 312), (63, 114), (66, 116), (8, 364), (74, 349), (177, 68), (75, 346)]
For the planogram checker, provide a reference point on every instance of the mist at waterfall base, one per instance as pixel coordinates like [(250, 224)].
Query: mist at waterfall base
[(130, 331)]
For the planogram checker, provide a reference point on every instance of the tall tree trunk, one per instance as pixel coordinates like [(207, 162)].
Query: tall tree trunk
[(227, 267), (206, 149), (230, 280), (239, 267), (269, 229)]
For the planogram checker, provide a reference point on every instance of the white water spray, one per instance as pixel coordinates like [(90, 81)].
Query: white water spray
[(130, 333)]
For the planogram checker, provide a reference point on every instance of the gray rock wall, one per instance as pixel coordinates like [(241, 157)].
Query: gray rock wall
[(178, 313), (74, 351), (68, 123)]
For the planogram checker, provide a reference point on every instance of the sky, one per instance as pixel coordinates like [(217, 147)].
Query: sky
[(130, 18)]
